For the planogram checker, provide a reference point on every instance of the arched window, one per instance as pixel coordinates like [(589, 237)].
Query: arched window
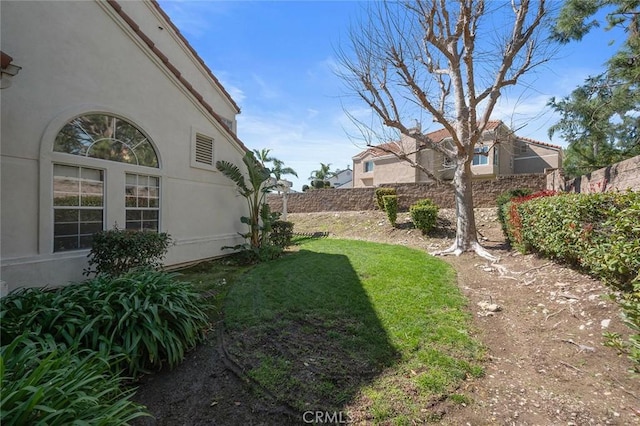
[(106, 137)]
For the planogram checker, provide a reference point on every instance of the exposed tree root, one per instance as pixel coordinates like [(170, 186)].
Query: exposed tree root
[(475, 247)]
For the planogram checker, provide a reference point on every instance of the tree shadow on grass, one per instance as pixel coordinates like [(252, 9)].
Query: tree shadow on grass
[(305, 329)]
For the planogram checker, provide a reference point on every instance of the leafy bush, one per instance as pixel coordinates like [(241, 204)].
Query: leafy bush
[(281, 233), (597, 232), (381, 192), (44, 383), (503, 199), (391, 207), (146, 317), (513, 223), (630, 303), (424, 214), (117, 251)]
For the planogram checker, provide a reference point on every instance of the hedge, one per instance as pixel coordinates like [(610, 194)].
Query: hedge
[(599, 233)]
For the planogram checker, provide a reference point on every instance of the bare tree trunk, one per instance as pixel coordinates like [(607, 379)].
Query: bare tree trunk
[(466, 232), (465, 217)]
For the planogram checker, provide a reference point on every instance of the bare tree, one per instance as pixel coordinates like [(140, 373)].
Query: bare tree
[(449, 60)]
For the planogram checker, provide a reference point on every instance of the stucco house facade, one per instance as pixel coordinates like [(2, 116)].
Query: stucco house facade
[(341, 179), (499, 153), (112, 119)]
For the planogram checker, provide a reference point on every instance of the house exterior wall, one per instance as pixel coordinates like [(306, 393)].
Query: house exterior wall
[(506, 156), (79, 58), (390, 170), (535, 158), (342, 179)]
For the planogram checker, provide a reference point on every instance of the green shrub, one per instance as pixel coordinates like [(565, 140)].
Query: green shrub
[(391, 207), (381, 192), (117, 251), (503, 199), (513, 224), (599, 233), (148, 318), (424, 214), (630, 303), (281, 233), (44, 383)]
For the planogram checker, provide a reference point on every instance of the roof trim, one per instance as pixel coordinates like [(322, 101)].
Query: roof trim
[(165, 60), (194, 53), (535, 142)]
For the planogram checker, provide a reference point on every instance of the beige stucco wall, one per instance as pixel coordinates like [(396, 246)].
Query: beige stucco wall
[(536, 158), (77, 58)]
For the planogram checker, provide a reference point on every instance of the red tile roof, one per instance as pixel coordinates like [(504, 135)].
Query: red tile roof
[(538, 142), (132, 24), (383, 149)]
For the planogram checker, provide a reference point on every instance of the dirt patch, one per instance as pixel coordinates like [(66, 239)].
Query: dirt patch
[(545, 359)]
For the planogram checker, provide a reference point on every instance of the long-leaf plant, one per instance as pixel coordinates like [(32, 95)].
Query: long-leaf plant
[(254, 187)]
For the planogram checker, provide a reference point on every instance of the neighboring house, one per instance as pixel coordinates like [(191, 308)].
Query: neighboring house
[(342, 179), (113, 119), (500, 152)]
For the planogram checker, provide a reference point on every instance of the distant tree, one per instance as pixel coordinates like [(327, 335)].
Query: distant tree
[(278, 170), (450, 60), (319, 177), (601, 119), (263, 156)]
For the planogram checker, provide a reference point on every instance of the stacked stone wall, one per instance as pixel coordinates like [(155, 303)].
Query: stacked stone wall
[(617, 177), (485, 193)]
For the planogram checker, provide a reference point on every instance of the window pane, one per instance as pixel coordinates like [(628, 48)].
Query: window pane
[(91, 200), (65, 243), (131, 201), (66, 229), (90, 227), (65, 215), (150, 214), (106, 137), (136, 225), (64, 199), (134, 215), (85, 241), (91, 215), (92, 175), (150, 225)]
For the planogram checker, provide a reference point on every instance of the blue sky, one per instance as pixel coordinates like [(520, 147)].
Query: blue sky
[(276, 59)]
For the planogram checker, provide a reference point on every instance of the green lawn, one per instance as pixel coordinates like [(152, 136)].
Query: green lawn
[(351, 325)]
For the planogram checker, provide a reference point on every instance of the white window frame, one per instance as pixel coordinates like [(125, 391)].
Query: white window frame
[(114, 181), (142, 209), (62, 207), (480, 153)]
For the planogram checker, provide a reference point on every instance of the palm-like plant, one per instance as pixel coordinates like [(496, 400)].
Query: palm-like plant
[(278, 170), (321, 175), (263, 156), (254, 190)]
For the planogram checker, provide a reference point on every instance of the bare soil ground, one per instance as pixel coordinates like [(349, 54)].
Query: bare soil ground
[(545, 359)]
